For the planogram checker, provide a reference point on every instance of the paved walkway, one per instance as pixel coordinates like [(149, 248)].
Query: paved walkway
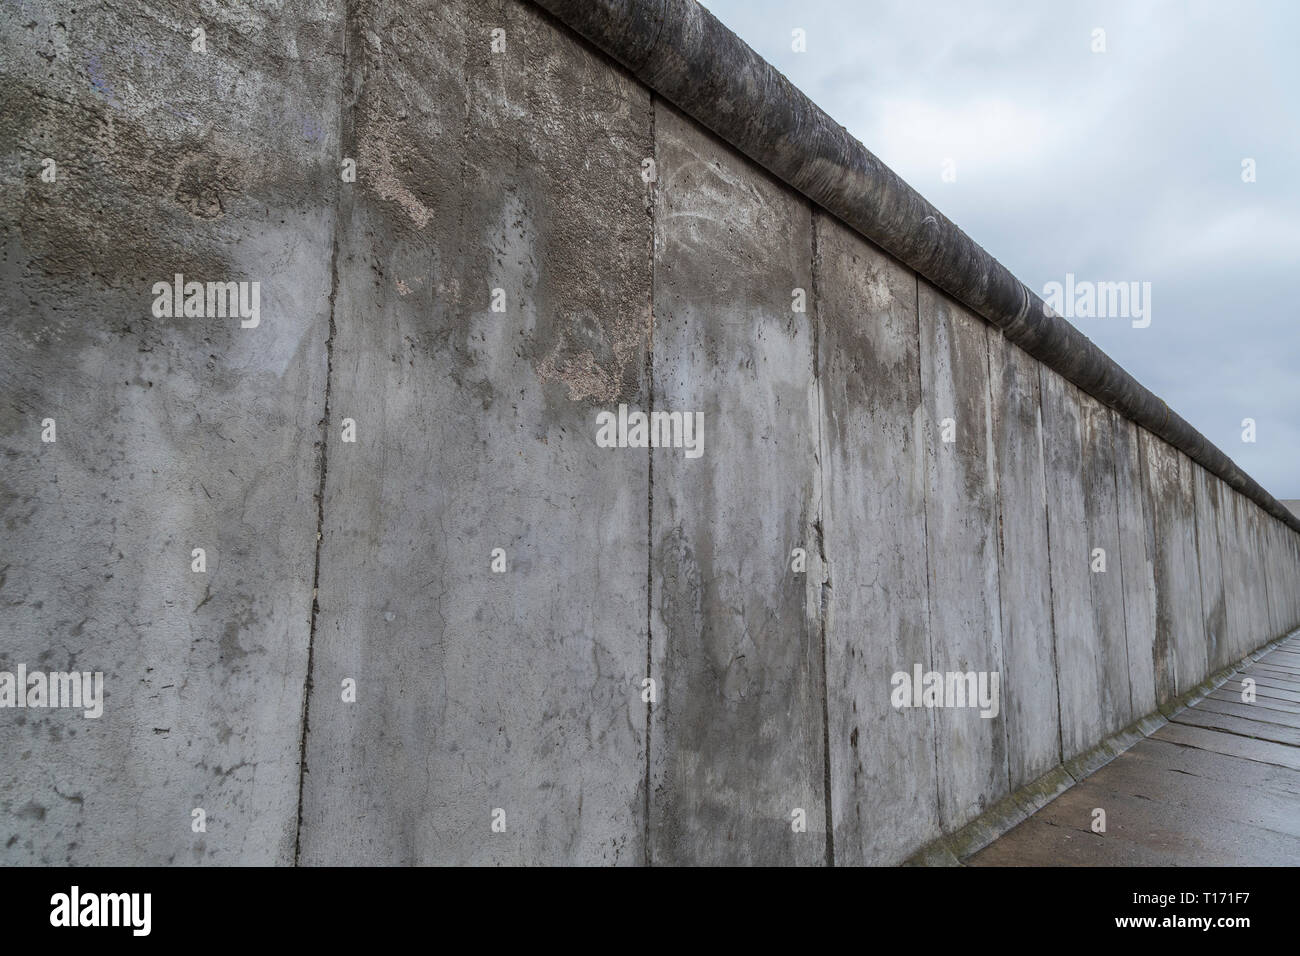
[(1219, 785)]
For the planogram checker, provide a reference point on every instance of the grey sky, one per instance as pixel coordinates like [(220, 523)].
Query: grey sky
[(1117, 166)]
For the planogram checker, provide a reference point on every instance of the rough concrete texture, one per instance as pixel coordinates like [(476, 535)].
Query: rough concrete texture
[(1191, 652), (498, 273), (1247, 552), (874, 518), (1024, 577), (1247, 613), (1214, 598), (1259, 521), (1175, 612), (1237, 625), (171, 434), (480, 691), (737, 732), (1276, 577), (1106, 570), (1283, 558), (1138, 569), (961, 539), (1074, 620), (1291, 559)]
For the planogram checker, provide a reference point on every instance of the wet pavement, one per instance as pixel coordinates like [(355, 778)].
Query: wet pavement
[(1219, 785)]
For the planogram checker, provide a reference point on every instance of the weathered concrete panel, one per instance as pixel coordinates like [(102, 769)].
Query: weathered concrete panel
[(1179, 624), (738, 737), (1282, 574), (1191, 659), (1258, 521), (1277, 574), (1267, 628), (1148, 452), (961, 530), (1270, 571), (1024, 577), (1262, 522), (1291, 559), (1261, 546), (1287, 563), (1287, 574), (480, 691), (1214, 599), (1293, 582), (171, 433), (1137, 567), (1236, 633), (1105, 569), (883, 787), (1070, 553), (1249, 554), (1255, 602)]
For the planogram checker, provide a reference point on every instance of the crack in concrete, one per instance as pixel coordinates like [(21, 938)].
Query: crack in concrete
[(650, 487), (824, 608), (324, 463)]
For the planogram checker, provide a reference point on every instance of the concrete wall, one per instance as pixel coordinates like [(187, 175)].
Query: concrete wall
[(737, 735), (170, 435), (874, 509), (480, 691), (887, 482)]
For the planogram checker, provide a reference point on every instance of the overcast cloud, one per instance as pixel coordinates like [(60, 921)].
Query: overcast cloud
[(1117, 166)]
